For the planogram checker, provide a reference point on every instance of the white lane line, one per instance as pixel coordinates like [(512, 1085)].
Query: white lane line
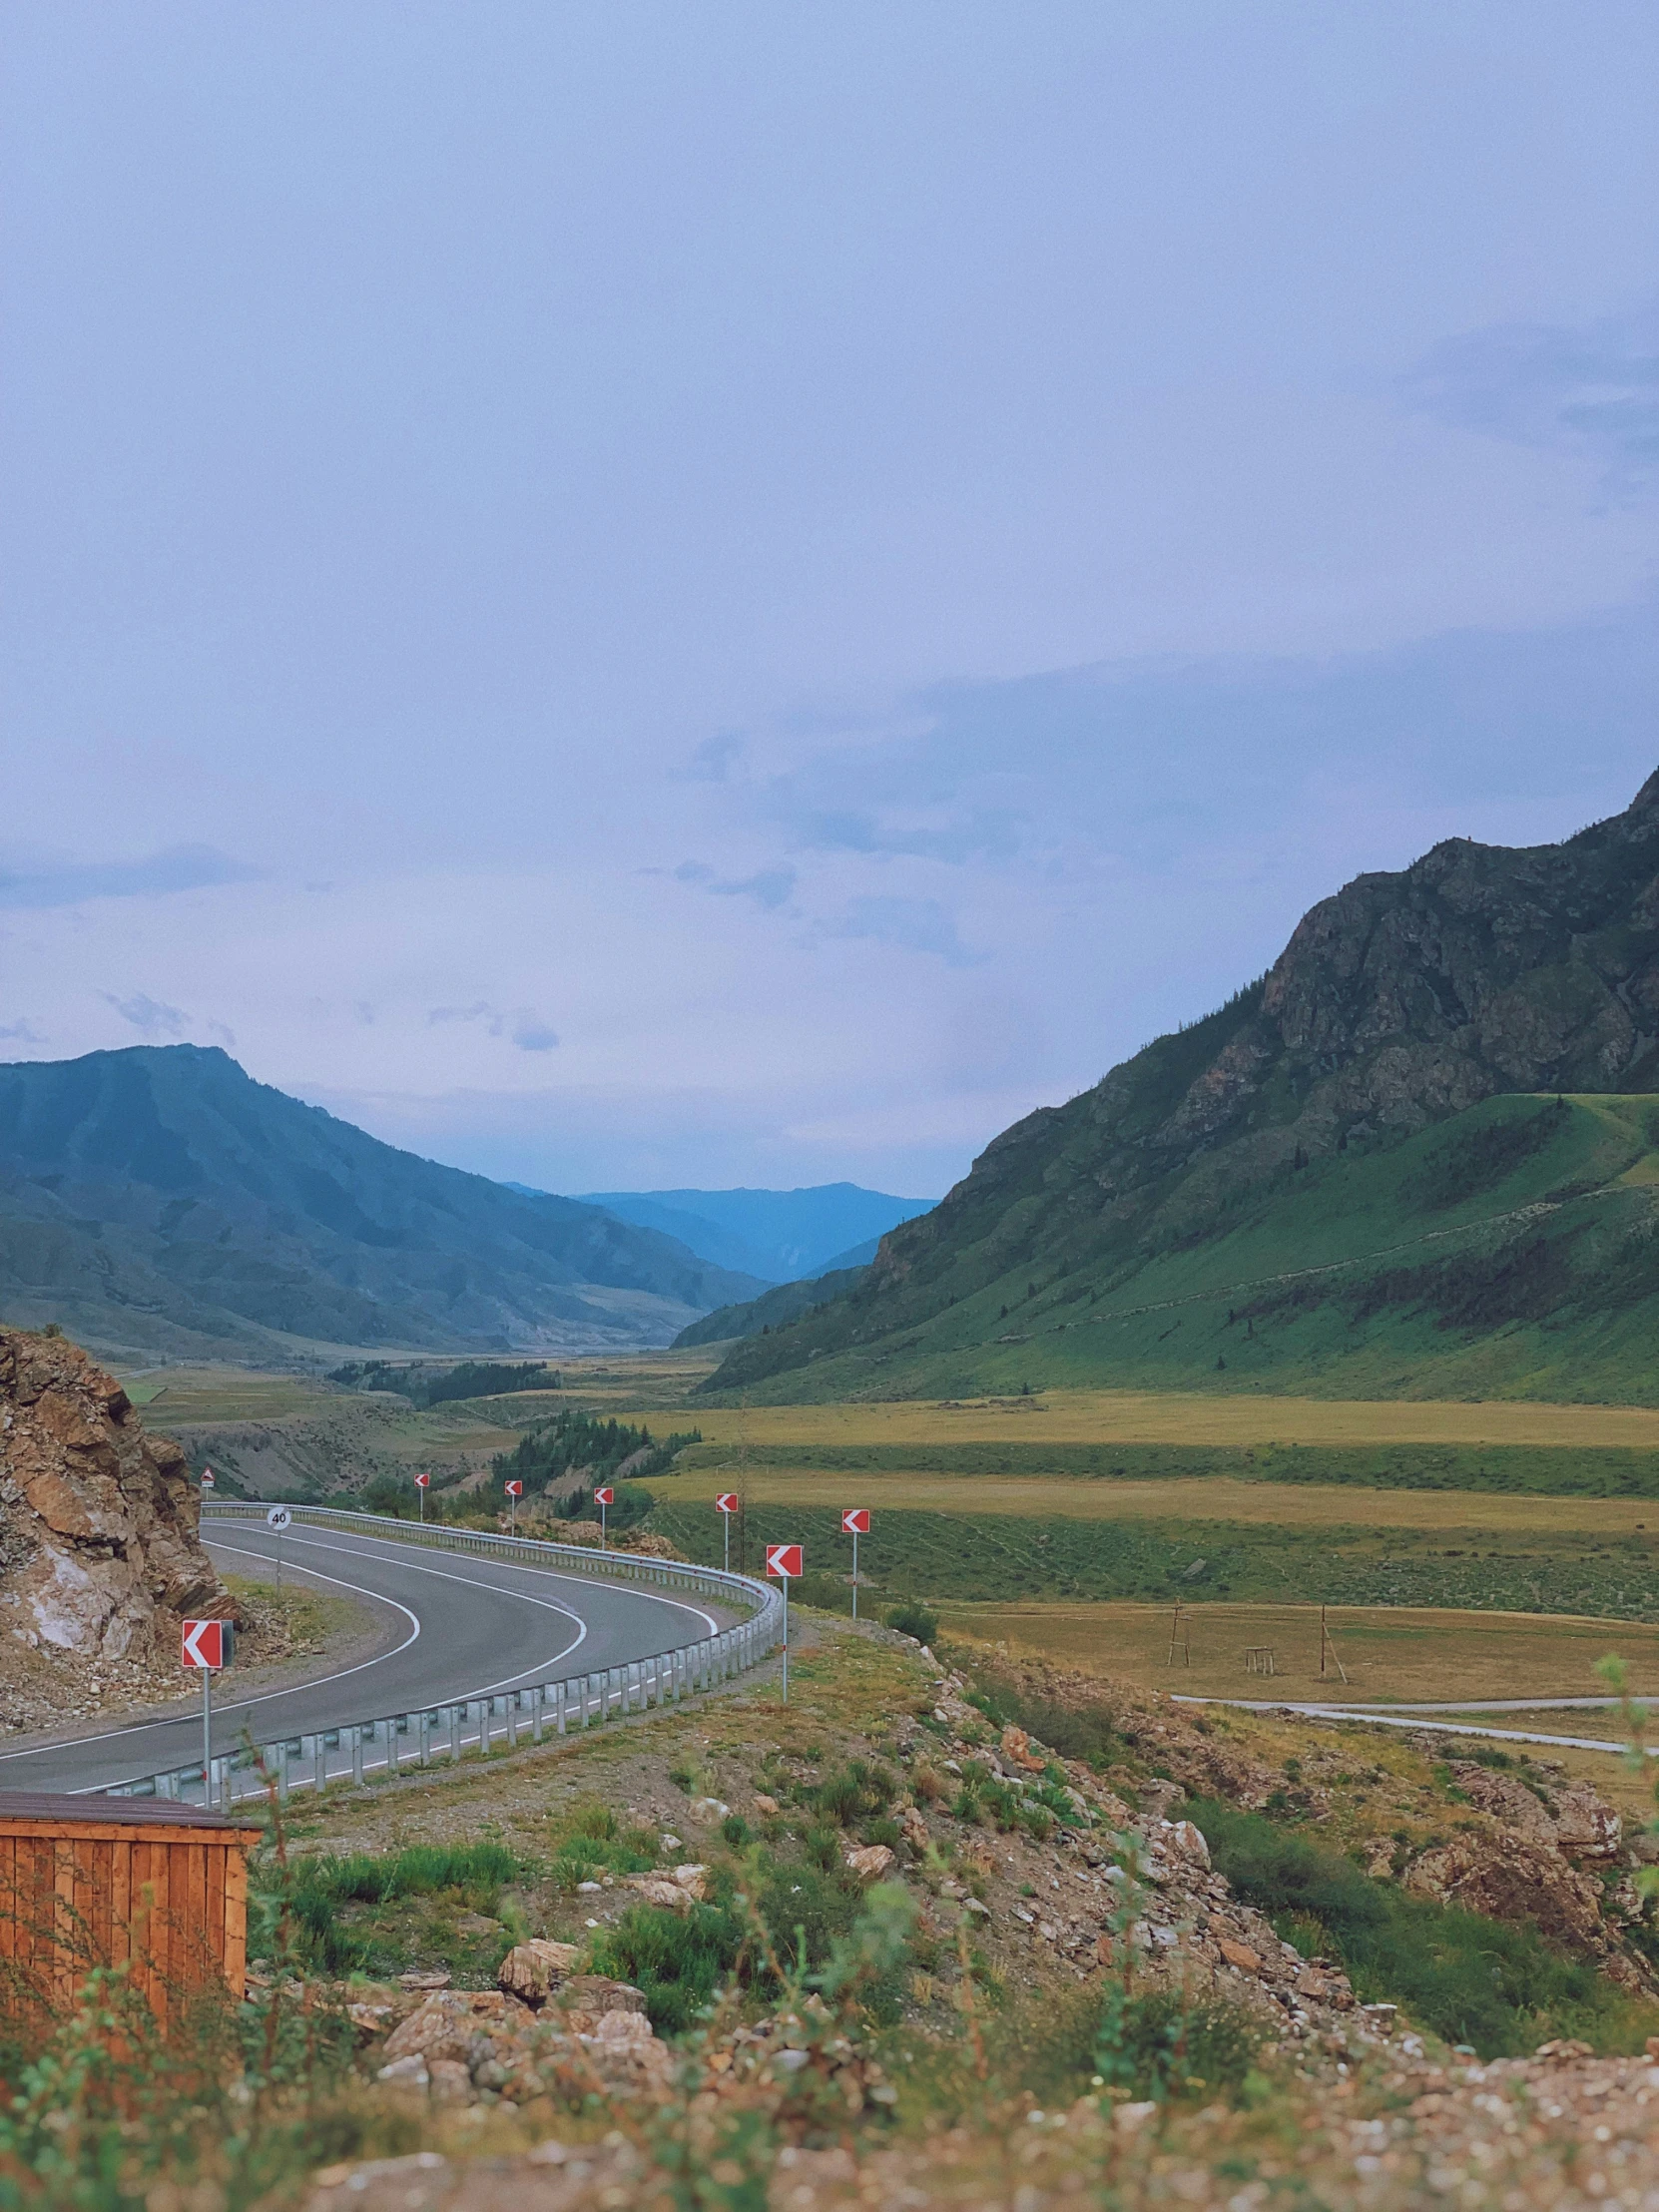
[(137, 1728), (381, 1553), (536, 1673), (552, 1574)]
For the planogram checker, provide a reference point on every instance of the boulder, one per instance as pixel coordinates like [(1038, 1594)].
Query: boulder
[(870, 1862), (100, 1551), (530, 1971), (444, 2026)]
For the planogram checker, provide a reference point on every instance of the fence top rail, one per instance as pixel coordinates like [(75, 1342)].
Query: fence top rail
[(751, 1637), (585, 1558)]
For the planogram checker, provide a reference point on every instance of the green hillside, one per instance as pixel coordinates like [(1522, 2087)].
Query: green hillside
[(1508, 1251), (1412, 1160)]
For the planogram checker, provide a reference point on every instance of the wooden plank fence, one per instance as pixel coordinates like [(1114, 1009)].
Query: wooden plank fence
[(102, 1881)]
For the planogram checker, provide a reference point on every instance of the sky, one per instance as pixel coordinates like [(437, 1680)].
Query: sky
[(635, 595)]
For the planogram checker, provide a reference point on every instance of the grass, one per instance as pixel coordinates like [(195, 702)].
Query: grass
[(1455, 1264), (1192, 1498), (1397, 1653), (1002, 1557), (1182, 1417), (465, 1877), (1494, 1985)]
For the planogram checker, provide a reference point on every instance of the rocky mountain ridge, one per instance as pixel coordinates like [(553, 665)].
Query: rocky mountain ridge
[(99, 1550), (1406, 999), (160, 1200)]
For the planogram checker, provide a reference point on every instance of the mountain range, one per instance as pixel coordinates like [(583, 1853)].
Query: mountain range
[(159, 1200), (1420, 1156), (780, 1235)]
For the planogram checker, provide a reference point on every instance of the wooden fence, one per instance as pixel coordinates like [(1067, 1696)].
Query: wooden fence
[(100, 1881)]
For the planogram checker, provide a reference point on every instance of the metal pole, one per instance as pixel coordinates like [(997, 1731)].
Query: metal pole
[(602, 1541), (206, 1733), (726, 1523), (421, 1490), (854, 1574), (279, 1559), (786, 1639)]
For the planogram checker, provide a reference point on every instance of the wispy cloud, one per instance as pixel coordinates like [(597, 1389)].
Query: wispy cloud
[(714, 759), (1594, 387), (770, 887), (182, 867), (913, 925), (150, 1016), (525, 1025), (21, 1032)]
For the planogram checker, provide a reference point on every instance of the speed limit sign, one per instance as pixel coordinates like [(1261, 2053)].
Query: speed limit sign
[(279, 1518)]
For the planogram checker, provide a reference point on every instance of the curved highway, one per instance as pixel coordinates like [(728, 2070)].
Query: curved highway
[(455, 1626)]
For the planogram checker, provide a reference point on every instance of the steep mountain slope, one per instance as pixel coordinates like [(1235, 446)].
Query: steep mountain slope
[(1297, 1127), (159, 1199), (785, 1302), (780, 1235)]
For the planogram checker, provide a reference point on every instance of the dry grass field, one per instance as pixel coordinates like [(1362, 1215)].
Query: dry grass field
[(1390, 1652), (1189, 1498), (1130, 1416), (192, 1394)]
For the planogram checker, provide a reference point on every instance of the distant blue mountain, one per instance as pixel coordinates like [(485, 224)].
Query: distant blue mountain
[(780, 1235)]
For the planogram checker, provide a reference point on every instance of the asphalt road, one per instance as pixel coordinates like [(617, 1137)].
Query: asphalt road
[(457, 1627)]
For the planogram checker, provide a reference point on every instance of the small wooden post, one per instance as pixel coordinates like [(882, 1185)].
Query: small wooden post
[(1327, 1645)]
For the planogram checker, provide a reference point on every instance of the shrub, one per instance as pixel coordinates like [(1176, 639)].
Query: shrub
[(1496, 1984), (1087, 1731), (912, 1619), (854, 1791), (678, 1962)]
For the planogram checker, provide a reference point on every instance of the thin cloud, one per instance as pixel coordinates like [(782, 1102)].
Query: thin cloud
[(21, 1032), (770, 887), (150, 1017), (1594, 389), (182, 867), (913, 925)]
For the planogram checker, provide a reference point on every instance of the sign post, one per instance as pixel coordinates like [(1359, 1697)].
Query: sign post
[(422, 1482), (726, 1505), (784, 1561), (515, 1491), (277, 1520), (208, 1645), (603, 1498), (855, 1523)]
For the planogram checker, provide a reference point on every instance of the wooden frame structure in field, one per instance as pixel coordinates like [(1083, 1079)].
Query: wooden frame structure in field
[(89, 1882)]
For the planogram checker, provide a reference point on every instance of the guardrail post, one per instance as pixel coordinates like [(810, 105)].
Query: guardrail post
[(559, 1708), (458, 1724), (512, 1719), (357, 1755)]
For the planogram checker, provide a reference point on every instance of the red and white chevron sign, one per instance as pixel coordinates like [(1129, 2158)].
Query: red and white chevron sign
[(785, 1560), (515, 1489), (856, 1522), (421, 1481), (206, 1644), (604, 1497), (727, 1502)]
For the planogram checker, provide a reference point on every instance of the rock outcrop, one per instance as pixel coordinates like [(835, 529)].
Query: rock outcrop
[(98, 1520)]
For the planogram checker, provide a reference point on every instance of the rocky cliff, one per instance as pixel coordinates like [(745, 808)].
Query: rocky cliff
[(1403, 1001), (99, 1547)]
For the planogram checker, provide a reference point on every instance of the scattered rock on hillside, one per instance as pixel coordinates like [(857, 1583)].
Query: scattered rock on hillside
[(98, 1530)]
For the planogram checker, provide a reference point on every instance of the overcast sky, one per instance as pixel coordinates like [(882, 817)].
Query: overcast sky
[(690, 594)]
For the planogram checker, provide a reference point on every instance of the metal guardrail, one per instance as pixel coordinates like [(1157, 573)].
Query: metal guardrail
[(394, 1741)]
